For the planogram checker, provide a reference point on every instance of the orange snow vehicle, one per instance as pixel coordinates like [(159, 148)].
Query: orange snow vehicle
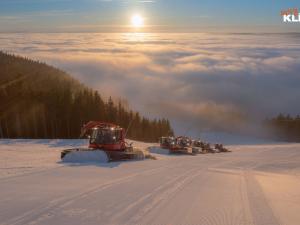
[(179, 145), (108, 138)]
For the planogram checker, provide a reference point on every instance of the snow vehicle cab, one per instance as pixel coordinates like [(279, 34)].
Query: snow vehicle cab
[(184, 141), (205, 147), (174, 145), (185, 145), (167, 142)]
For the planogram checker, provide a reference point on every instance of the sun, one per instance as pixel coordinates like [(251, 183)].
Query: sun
[(137, 21)]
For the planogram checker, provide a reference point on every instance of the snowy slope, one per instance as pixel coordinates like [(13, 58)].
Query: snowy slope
[(255, 184)]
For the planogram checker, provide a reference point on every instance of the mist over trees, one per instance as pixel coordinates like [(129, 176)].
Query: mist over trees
[(40, 101), (285, 128)]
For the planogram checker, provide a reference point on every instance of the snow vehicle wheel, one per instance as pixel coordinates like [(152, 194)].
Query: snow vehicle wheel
[(196, 150), (129, 149), (139, 155)]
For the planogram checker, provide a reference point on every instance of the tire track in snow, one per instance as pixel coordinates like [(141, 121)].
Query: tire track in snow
[(221, 214), (35, 172), (247, 216), (256, 210), (148, 196), (262, 213), (164, 195), (157, 191), (46, 211)]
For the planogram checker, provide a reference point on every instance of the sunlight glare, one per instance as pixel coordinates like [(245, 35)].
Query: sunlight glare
[(137, 21)]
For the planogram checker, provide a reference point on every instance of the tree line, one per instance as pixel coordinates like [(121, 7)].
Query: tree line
[(285, 127), (40, 101)]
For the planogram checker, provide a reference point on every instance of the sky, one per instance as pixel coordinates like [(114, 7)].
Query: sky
[(200, 81), (159, 15), (205, 65)]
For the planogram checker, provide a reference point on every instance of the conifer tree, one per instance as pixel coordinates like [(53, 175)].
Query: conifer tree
[(40, 101)]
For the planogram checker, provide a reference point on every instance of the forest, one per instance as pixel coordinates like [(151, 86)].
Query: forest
[(40, 101), (285, 128)]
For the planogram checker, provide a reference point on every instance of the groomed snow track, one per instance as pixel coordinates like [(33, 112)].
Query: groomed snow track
[(240, 188)]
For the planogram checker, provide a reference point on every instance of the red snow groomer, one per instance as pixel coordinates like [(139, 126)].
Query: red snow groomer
[(167, 142), (185, 145), (179, 145), (110, 139)]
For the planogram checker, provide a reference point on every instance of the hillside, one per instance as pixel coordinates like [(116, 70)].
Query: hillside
[(40, 101), (285, 128)]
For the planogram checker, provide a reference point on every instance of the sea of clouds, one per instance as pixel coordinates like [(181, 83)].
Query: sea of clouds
[(200, 81)]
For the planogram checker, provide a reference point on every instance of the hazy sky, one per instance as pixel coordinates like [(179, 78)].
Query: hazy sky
[(199, 81), (159, 15)]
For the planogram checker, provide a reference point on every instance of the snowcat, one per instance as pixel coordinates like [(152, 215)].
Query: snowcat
[(107, 138), (179, 145), (167, 142), (185, 145), (221, 148), (205, 147)]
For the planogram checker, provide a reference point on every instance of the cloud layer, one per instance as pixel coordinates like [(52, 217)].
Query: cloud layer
[(199, 81)]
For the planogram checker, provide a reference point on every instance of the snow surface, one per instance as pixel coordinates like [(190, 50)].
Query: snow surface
[(255, 184)]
